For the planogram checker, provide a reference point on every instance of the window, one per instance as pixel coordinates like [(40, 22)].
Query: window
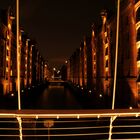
[(106, 76), (7, 53), (138, 35), (106, 65), (138, 85), (138, 15), (138, 55), (106, 40), (94, 57), (106, 51)]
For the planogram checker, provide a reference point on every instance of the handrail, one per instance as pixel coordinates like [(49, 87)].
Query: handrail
[(70, 123), (70, 113)]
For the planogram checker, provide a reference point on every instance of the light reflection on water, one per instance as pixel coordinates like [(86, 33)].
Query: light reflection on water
[(57, 97)]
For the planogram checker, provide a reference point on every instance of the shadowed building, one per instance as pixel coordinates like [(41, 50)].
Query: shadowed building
[(31, 63), (97, 57)]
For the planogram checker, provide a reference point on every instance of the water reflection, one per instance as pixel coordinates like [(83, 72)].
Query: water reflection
[(56, 96)]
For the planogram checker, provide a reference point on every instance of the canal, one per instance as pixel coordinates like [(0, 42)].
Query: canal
[(54, 96)]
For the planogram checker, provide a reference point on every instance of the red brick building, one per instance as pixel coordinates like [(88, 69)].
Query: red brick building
[(97, 56), (33, 67)]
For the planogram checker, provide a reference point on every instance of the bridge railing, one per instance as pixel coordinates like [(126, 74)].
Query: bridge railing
[(120, 124)]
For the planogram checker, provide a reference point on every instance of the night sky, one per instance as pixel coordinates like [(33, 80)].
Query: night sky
[(58, 25)]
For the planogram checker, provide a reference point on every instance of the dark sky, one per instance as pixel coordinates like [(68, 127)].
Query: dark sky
[(58, 25)]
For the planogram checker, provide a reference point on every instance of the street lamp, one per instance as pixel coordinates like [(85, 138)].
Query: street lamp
[(115, 70), (18, 54), (18, 69)]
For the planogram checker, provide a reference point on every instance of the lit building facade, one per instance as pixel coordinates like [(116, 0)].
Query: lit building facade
[(32, 66), (97, 57)]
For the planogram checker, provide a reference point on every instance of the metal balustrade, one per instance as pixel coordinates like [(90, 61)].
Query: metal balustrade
[(70, 124)]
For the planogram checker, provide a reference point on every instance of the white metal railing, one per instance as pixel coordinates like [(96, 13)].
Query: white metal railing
[(67, 124)]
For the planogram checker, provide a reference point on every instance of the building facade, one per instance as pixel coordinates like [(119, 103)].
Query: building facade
[(96, 57), (33, 67)]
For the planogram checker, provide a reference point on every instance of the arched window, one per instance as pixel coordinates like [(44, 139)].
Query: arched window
[(138, 35), (138, 55), (138, 15)]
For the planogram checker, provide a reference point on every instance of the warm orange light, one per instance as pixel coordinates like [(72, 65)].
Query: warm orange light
[(7, 48), (11, 17), (130, 107), (138, 64), (12, 94), (7, 59), (20, 37), (106, 57), (93, 33), (106, 45), (6, 69), (11, 73), (9, 26), (138, 44), (84, 43), (106, 69), (7, 36), (105, 34)]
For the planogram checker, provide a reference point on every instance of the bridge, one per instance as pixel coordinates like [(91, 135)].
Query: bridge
[(120, 124)]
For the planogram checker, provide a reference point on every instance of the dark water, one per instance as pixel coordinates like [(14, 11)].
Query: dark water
[(57, 97), (53, 96)]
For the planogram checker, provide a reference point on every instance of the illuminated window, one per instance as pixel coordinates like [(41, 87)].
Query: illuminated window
[(138, 70), (7, 59), (11, 73), (6, 69), (9, 26), (105, 34)]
